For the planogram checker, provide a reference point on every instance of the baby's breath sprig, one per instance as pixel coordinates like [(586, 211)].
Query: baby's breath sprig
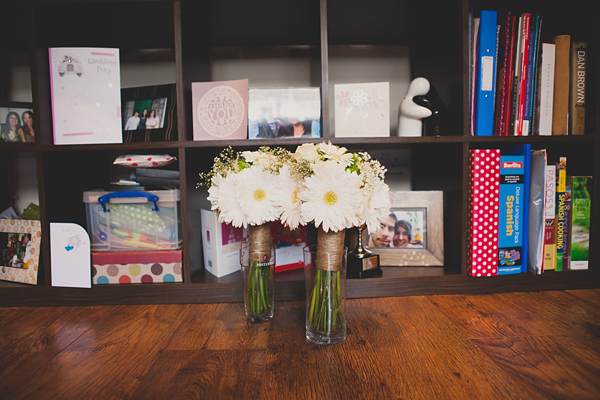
[(224, 163)]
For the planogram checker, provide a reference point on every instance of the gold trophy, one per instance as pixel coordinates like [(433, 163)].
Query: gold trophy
[(362, 263)]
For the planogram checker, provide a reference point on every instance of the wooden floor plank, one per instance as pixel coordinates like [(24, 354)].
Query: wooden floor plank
[(537, 345), (574, 366), (491, 316)]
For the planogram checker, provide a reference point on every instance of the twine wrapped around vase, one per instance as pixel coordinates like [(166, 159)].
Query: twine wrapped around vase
[(260, 242), (330, 250)]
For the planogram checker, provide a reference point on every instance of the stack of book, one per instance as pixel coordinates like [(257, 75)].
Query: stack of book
[(521, 85), (526, 214), (156, 177)]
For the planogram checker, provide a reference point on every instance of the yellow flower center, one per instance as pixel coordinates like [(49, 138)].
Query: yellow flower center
[(295, 196), (259, 195), (330, 198)]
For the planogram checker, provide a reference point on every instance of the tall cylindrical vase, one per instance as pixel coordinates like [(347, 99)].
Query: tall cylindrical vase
[(325, 272), (257, 257)]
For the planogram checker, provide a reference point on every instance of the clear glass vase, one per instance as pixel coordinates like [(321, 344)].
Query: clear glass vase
[(325, 273), (257, 258)]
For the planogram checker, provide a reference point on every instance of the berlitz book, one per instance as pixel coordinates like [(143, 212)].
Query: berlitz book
[(220, 110), (85, 88), (578, 86)]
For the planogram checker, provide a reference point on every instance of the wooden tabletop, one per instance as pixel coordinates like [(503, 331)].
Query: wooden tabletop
[(512, 345)]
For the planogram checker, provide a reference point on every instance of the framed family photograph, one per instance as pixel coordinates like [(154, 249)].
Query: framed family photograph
[(20, 246), (284, 113), (149, 113), (16, 121), (413, 233)]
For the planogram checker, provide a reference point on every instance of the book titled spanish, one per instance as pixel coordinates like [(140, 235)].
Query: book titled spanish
[(561, 189), (85, 88), (220, 110), (581, 204)]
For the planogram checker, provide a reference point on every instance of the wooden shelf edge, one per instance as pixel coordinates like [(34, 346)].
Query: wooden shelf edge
[(191, 293)]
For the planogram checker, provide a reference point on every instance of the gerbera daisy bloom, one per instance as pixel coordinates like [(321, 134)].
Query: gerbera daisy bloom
[(377, 206), (331, 199), (222, 196), (255, 194), (287, 199), (335, 153)]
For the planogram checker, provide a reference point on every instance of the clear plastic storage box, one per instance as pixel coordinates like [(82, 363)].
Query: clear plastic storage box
[(133, 220)]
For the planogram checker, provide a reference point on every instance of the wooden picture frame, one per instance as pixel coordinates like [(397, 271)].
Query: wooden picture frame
[(12, 230), (428, 250), (161, 98)]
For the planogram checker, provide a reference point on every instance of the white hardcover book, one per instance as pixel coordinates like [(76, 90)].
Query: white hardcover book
[(85, 87), (546, 89)]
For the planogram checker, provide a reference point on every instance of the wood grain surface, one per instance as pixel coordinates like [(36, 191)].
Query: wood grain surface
[(534, 345)]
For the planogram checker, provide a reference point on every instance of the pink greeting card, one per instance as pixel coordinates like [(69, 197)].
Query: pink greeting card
[(220, 110)]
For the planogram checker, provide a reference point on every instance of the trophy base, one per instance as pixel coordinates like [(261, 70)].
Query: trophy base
[(363, 267)]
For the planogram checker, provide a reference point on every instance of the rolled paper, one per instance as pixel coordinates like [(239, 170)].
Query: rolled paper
[(260, 242), (330, 250)]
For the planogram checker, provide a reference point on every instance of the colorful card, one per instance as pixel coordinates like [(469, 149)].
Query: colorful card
[(284, 113), (362, 110), (220, 110), (85, 86)]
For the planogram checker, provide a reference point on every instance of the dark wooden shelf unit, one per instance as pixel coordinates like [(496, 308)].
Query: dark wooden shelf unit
[(279, 43)]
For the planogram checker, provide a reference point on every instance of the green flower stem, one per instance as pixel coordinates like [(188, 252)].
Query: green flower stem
[(259, 281), (326, 302)]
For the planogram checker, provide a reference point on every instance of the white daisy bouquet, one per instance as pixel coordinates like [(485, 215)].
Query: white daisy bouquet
[(244, 189), (339, 190)]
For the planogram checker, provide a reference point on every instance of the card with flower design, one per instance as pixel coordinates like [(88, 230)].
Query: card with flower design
[(362, 110)]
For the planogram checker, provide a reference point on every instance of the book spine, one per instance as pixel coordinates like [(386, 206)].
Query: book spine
[(522, 75), (561, 188), (578, 88), (560, 110), (546, 89), (486, 73), (550, 215), (580, 222), (484, 182), (566, 232), (530, 96), (511, 215), (503, 71), (516, 73), (473, 71), (511, 77)]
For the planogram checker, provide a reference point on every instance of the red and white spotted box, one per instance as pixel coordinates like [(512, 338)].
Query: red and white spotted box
[(484, 197)]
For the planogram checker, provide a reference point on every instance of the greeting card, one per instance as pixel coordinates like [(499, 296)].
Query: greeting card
[(85, 86), (220, 109), (362, 110)]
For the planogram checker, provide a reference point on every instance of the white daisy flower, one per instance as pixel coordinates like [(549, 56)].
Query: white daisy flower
[(308, 151), (222, 196), (287, 199), (332, 199), (376, 208), (255, 195), (333, 152)]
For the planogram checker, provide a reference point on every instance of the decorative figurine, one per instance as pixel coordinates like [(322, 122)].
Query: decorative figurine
[(435, 124), (411, 113)]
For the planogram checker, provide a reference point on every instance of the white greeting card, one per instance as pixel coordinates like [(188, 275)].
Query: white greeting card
[(362, 110), (70, 255), (85, 88)]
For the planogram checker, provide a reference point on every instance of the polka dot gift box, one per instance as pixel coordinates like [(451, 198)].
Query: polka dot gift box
[(484, 195), (136, 267)]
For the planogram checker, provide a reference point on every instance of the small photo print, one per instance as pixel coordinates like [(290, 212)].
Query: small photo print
[(17, 125), (284, 113), (403, 229), (14, 249), (144, 114)]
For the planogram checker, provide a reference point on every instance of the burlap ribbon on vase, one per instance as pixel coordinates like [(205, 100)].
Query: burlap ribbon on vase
[(330, 250), (259, 238)]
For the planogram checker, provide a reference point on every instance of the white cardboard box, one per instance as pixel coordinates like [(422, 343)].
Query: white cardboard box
[(221, 244)]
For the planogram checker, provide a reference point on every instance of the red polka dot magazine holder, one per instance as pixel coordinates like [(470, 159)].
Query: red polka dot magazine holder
[(484, 195)]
